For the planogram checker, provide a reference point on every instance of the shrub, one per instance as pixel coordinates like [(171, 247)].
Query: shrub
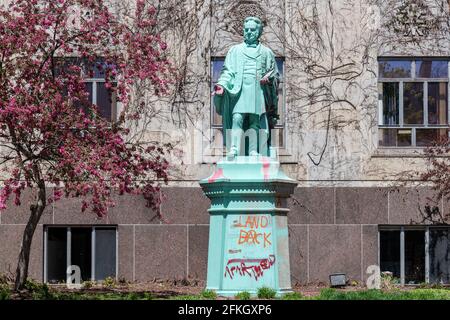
[(31, 285), (388, 281), (244, 295), (5, 292), (3, 279), (209, 294), (88, 284), (123, 281), (39, 291), (109, 282), (266, 293)]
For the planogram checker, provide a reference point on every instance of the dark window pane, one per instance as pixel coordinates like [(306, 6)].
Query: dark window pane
[(394, 69), (413, 103), (87, 107), (87, 104), (390, 103), (390, 252), (280, 121), (437, 102), (89, 90), (217, 64), (106, 101), (97, 69), (395, 137), (426, 137), (63, 65), (105, 253), (56, 255), (440, 256), (431, 69), (404, 138), (216, 68), (387, 137), (414, 257), (280, 65), (81, 251)]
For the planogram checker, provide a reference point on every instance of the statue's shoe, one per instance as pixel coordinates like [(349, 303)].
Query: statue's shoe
[(232, 154)]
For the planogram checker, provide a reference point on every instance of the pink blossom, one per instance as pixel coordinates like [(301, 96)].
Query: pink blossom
[(40, 106)]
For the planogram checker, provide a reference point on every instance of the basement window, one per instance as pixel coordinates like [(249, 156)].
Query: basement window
[(416, 255), (92, 249)]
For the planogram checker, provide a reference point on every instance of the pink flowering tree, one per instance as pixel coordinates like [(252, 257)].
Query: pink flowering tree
[(437, 174), (51, 135)]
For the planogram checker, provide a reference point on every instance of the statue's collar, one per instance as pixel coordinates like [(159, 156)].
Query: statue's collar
[(251, 53)]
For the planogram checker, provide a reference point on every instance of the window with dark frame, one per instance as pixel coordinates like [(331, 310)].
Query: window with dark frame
[(92, 249), (94, 78), (416, 255), (216, 119), (413, 101)]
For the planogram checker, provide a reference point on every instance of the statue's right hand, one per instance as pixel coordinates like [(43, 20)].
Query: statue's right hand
[(218, 89)]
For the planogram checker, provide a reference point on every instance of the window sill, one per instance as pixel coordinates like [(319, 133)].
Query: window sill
[(399, 152)]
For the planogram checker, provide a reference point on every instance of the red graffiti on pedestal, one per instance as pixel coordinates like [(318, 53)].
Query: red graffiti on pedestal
[(253, 237), (253, 268), (253, 230)]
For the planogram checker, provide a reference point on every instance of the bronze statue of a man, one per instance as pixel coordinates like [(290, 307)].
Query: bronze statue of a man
[(246, 93)]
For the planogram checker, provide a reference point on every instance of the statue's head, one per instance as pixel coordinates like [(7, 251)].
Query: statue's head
[(252, 29)]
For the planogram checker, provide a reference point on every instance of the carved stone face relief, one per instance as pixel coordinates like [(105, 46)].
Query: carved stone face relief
[(241, 10), (413, 19)]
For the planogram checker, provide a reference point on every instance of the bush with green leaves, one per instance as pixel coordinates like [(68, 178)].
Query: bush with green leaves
[(209, 294), (109, 283), (244, 295), (39, 291), (3, 278), (88, 284), (5, 292), (388, 281), (266, 293)]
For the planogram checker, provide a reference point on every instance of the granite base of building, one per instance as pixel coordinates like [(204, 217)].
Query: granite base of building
[(331, 230)]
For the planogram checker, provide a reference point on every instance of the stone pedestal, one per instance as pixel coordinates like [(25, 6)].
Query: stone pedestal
[(248, 235)]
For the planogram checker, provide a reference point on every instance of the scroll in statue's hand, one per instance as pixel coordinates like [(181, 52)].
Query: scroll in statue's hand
[(218, 89)]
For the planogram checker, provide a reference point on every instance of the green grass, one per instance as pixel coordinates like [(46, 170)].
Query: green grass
[(292, 296), (38, 291), (414, 294), (187, 297), (263, 293)]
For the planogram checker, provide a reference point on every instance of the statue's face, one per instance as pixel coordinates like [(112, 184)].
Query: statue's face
[(251, 32)]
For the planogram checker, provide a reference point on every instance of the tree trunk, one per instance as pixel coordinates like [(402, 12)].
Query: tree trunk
[(36, 210)]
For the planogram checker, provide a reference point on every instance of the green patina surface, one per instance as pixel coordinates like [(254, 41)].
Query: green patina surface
[(246, 94), (248, 244), (248, 239)]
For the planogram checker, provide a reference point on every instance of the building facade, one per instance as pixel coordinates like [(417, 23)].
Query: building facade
[(364, 90)]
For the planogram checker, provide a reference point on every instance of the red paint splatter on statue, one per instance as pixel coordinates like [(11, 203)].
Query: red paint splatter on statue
[(217, 175)]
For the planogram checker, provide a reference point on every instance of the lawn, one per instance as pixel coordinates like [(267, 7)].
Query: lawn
[(37, 291)]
